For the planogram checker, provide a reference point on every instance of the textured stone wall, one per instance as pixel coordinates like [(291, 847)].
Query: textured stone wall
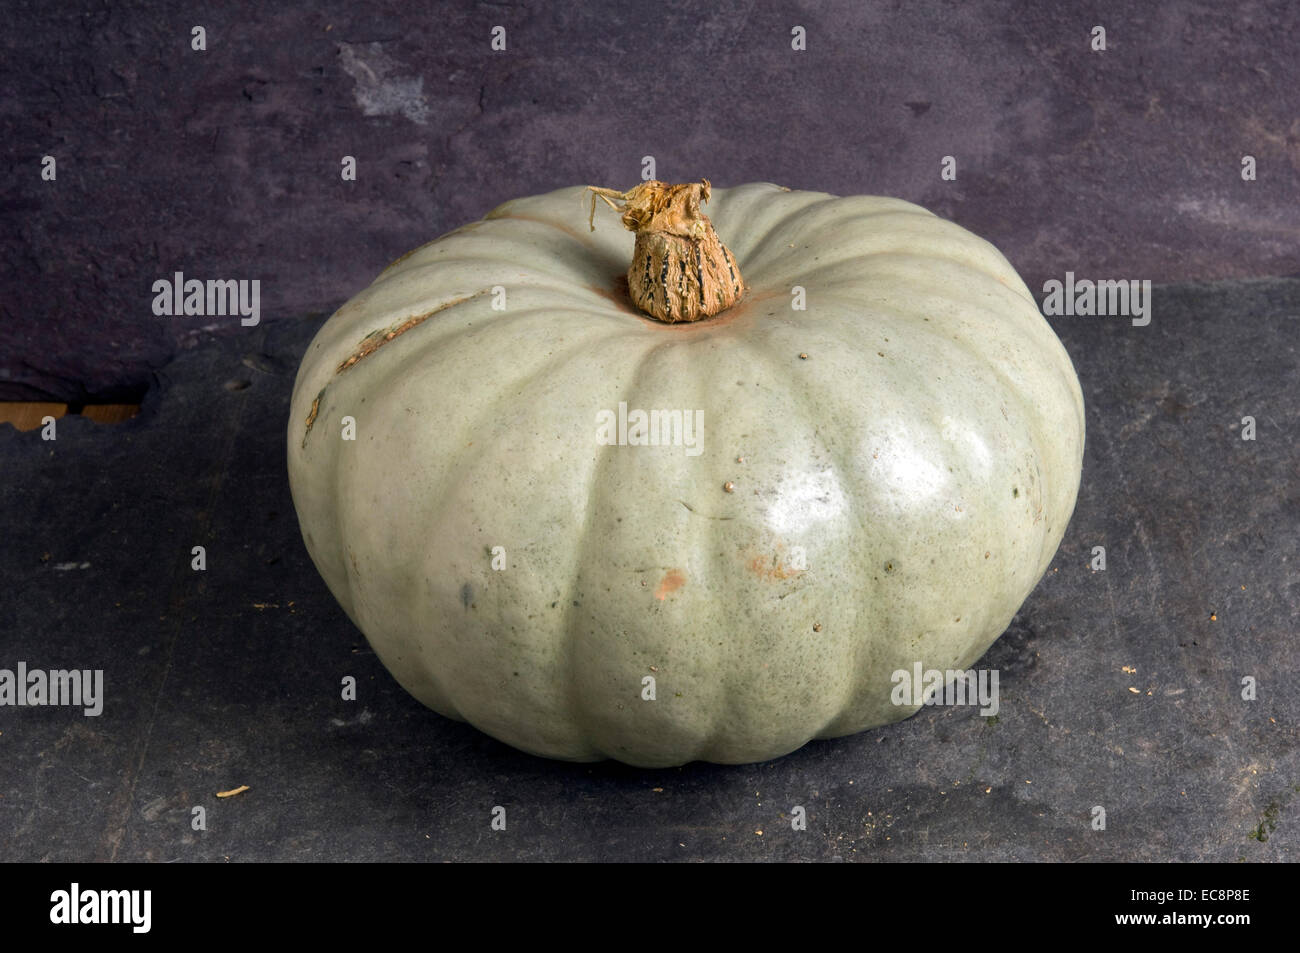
[(226, 162)]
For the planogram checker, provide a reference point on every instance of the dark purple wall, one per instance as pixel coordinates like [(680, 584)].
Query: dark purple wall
[(225, 163)]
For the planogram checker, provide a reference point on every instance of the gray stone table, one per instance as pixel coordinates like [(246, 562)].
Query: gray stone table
[(1120, 689)]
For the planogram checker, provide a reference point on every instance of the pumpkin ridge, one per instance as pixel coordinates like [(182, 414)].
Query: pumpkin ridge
[(799, 383), (817, 235), (594, 498), (573, 660), (1008, 387), (573, 233), (1039, 339), (534, 270), (458, 471), (772, 230)]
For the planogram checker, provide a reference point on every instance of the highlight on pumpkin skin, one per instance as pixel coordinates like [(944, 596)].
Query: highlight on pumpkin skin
[(680, 270)]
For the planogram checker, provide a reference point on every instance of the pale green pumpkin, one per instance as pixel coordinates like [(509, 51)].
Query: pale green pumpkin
[(881, 478)]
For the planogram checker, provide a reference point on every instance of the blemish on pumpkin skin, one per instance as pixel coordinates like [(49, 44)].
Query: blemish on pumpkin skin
[(770, 567), (373, 341), (311, 415), (670, 583)]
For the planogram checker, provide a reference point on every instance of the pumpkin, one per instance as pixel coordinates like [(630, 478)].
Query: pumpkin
[(593, 533)]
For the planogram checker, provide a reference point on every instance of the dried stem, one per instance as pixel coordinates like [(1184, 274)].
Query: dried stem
[(680, 269)]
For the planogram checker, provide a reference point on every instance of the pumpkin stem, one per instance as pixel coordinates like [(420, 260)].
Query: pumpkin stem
[(680, 269)]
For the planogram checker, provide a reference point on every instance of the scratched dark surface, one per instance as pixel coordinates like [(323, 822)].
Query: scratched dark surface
[(225, 163), (231, 676)]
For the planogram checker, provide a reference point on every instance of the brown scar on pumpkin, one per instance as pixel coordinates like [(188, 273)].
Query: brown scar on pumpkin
[(373, 341), (770, 568), (671, 582), (311, 415)]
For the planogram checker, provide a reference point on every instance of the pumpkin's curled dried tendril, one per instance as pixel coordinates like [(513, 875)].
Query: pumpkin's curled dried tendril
[(680, 269)]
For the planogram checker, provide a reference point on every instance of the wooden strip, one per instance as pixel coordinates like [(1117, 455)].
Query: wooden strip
[(27, 415), (110, 413)]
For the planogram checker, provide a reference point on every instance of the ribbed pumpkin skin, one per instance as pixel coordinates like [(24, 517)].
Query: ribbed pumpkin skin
[(925, 455)]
